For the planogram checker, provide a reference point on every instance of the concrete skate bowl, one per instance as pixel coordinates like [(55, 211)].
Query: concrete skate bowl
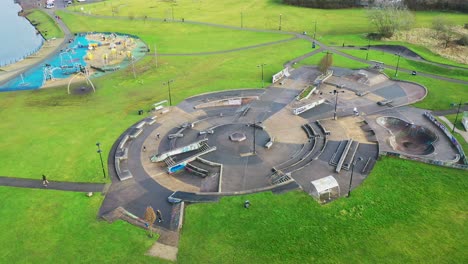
[(408, 138)]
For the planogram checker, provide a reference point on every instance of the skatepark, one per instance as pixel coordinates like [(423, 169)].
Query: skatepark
[(251, 140)]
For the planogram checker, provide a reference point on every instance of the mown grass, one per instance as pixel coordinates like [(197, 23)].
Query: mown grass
[(45, 24), (392, 59), (264, 14), (440, 93), (338, 61), (405, 212), (361, 40), (48, 131), (44, 226), (173, 37), (458, 124)]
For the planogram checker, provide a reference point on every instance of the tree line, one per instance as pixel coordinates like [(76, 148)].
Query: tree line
[(458, 5)]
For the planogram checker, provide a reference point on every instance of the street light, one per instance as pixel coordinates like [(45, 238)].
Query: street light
[(336, 92), (315, 29), (254, 125), (398, 64), (352, 172), (168, 83), (172, 8), (242, 19), (263, 80), (280, 22), (368, 47), (100, 155), (458, 111)]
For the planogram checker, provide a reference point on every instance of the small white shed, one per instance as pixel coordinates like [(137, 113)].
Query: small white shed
[(325, 189)]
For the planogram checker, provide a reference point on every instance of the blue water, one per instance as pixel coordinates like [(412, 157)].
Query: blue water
[(18, 36), (61, 65)]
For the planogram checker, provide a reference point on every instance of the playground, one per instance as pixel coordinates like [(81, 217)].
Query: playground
[(87, 55)]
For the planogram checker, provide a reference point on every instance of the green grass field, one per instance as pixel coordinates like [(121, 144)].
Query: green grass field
[(58, 131), (361, 40), (440, 93), (263, 14), (45, 24), (392, 59), (405, 212), (338, 61), (43, 226), (174, 37)]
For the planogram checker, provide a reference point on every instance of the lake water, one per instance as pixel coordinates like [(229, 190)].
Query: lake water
[(18, 37)]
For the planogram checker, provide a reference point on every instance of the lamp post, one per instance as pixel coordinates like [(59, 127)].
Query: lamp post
[(242, 19), (398, 64), (100, 155), (368, 47), (168, 83), (172, 11), (352, 172), (336, 92), (263, 80), (315, 29), (456, 117), (280, 21), (254, 125)]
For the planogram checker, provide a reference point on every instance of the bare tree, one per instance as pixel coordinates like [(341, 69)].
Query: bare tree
[(444, 29), (326, 62), (150, 217), (390, 16)]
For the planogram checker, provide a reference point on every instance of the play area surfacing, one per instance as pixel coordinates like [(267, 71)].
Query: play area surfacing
[(91, 53)]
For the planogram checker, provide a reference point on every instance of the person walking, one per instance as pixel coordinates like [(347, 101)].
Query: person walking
[(159, 216), (45, 182), (144, 148), (157, 136)]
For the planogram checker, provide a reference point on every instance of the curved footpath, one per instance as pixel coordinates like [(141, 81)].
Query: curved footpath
[(53, 185)]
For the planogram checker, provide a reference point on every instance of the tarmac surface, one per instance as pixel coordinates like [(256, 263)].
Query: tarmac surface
[(300, 158)]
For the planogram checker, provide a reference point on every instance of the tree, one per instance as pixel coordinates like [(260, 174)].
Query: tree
[(150, 217), (389, 17), (326, 62), (444, 29)]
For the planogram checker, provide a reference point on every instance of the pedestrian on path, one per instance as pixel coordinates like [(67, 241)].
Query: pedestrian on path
[(45, 182), (159, 216), (157, 136), (144, 148)]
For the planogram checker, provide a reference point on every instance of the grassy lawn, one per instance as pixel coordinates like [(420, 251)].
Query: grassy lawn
[(405, 212), (44, 226), (361, 40), (459, 124), (338, 61), (45, 24), (173, 37), (263, 14), (441, 93), (48, 131), (392, 59)]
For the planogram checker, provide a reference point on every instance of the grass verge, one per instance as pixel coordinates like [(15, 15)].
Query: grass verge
[(400, 214), (45, 24), (44, 226)]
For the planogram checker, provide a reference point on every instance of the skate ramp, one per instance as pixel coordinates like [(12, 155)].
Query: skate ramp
[(409, 138)]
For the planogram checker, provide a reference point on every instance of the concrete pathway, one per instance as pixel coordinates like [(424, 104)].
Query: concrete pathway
[(53, 185)]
